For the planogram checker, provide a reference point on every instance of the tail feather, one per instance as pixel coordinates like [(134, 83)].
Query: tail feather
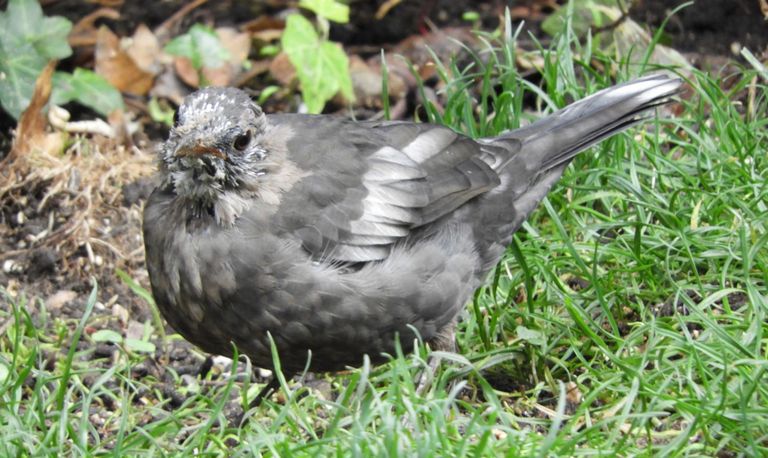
[(556, 139)]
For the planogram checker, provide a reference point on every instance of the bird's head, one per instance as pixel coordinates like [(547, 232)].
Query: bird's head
[(216, 146)]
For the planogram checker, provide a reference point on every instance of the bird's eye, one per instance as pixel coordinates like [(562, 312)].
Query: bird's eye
[(242, 141)]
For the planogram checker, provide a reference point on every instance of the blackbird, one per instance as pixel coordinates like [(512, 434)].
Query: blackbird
[(338, 238)]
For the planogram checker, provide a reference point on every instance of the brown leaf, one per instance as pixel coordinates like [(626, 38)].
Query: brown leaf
[(257, 68), (59, 299), (238, 44), (30, 133), (444, 43), (264, 28), (118, 67), (84, 32), (282, 69), (168, 86), (366, 82), (145, 49), (186, 71), (385, 7)]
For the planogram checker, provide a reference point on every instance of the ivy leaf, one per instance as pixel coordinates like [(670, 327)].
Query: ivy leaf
[(322, 66), (18, 72), (200, 45), (329, 9), (23, 22), (88, 88), (27, 42)]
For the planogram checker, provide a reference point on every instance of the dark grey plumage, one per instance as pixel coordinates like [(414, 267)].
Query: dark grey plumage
[(335, 236)]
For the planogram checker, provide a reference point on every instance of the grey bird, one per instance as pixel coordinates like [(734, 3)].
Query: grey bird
[(337, 238)]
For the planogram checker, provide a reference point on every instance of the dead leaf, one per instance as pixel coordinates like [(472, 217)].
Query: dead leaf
[(573, 394), (764, 8), (186, 71), (385, 8), (265, 28), (445, 43), (30, 133), (118, 67), (168, 86), (256, 68), (366, 82), (84, 32), (145, 50), (59, 299), (238, 44), (163, 31), (282, 69)]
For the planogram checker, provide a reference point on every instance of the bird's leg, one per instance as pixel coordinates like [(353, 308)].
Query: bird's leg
[(271, 386), (445, 340)]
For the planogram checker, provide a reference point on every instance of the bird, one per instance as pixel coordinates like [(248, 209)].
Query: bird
[(335, 240)]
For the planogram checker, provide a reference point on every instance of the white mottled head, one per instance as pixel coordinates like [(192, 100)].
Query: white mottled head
[(215, 147)]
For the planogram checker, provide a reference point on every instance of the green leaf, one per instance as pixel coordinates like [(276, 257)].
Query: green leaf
[(28, 40), (322, 67), (530, 335), (106, 335), (266, 93), (200, 45), (4, 373), (141, 346), (329, 9), (23, 22), (88, 88), (158, 113), (18, 72)]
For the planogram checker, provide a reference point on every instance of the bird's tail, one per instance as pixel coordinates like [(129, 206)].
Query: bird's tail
[(556, 139)]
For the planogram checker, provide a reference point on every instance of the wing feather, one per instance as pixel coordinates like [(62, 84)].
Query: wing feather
[(380, 181)]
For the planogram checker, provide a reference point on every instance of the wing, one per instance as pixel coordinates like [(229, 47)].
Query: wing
[(369, 185)]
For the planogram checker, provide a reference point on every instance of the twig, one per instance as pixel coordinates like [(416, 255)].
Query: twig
[(165, 28)]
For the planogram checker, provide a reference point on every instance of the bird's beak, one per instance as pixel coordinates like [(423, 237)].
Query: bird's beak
[(199, 150)]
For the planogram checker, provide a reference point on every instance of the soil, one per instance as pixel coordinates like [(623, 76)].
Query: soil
[(708, 26), (59, 272)]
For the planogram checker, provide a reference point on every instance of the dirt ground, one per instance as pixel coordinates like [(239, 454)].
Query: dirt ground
[(66, 221)]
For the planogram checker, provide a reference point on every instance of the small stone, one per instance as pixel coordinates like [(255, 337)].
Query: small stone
[(135, 330), (264, 373), (10, 266), (222, 363), (59, 299), (121, 313)]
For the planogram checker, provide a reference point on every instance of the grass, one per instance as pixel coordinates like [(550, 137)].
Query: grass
[(627, 319)]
